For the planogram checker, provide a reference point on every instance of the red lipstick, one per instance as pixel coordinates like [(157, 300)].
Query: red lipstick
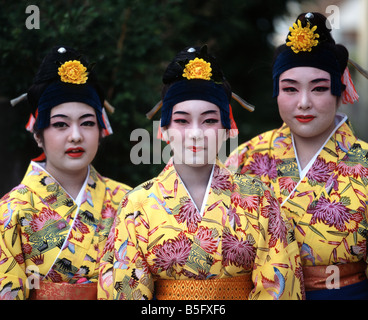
[(304, 119), (195, 149), (75, 152)]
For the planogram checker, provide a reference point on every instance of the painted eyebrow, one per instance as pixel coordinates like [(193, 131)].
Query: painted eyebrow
[(289, 80), (180, 112), (210, 112), (313, 81), (87, 115), (203, 113), (320, 80)]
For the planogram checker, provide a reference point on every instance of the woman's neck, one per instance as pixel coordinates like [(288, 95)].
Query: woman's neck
[(306, 148), (195, 180), (305, 151)]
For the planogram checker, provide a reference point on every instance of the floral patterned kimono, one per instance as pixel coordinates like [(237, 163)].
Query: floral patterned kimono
[(327, 201), (161, 234), (44, 231)]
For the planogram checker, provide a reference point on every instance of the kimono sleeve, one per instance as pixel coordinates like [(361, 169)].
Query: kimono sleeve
[(236, 159), (129, 272), (117, 192), (105, 285), (277, 272), (13, 279)]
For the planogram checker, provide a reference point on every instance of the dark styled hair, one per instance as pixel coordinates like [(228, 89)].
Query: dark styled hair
[(174, 70), (326, 55)]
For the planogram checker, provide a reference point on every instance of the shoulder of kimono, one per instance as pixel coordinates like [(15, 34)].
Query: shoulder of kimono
[(267, 136), (20, 192), (143, 189), (116, 185), (110, 183)]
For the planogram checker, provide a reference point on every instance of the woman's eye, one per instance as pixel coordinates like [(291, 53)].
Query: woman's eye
[(180, 121), (89, 123), (289, 89), (211, 121), (59, 124), (321, 89)]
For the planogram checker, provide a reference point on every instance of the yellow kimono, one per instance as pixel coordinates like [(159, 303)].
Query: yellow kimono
[(161, 234), (46, 233), (327, 201)]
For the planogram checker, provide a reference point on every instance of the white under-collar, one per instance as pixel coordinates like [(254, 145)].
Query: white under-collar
[(203, 206), (339, 120)]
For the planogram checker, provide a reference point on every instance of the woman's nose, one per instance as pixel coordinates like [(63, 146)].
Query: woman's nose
[(195, 132), (304, 101), (75, 134)]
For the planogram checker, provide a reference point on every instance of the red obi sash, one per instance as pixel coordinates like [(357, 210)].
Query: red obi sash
[(349, 273), (64, 291)]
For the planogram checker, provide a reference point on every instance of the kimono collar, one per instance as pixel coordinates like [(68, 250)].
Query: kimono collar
[(340, 119), (39, 168)]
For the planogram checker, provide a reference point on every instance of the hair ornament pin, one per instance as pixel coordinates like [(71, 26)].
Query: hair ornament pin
[(15, 101), (309, 16), (61, 50)]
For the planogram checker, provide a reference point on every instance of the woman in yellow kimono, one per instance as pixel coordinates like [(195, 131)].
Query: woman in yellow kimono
[(196, 231), (55, 224), (314, 163)]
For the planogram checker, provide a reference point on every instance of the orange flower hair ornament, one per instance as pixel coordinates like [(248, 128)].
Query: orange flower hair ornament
[(197, 69), (73, 72)]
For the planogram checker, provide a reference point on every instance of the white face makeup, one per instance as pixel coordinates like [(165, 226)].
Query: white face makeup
[(71, 141), (195, 132), (306, 103)]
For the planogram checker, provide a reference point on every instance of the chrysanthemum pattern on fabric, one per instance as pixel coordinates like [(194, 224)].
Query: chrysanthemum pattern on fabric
[(160, 234), (329, 205), (42, 227)]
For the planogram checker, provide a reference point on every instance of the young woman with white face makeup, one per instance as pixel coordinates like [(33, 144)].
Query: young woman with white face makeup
[(314, 163), (196, 231), (54, 225)]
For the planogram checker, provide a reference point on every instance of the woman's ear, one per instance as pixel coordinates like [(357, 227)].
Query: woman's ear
[(38, 140)]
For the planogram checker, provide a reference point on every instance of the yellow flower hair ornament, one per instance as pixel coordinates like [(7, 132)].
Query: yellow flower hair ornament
[(73, 72), (197, 69), (302, 38)]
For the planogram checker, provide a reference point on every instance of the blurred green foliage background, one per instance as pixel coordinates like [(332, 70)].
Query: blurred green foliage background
[(132, 41)]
